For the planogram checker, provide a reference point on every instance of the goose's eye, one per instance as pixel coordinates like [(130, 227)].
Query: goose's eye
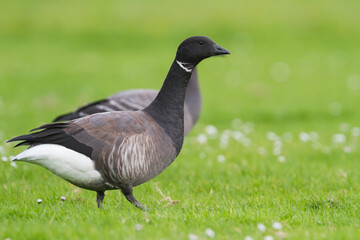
[(201, 42)]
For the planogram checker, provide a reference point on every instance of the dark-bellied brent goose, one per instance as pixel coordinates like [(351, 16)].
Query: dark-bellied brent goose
[(121, 149), (137, 99)]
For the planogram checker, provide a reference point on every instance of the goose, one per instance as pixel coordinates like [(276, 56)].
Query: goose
[(121, 149), (137, 99)]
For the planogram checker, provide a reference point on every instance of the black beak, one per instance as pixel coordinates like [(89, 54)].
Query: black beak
[(220, 50)]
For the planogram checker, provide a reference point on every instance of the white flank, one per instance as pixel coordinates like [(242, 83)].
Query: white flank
[(181, 64), (63, 162)]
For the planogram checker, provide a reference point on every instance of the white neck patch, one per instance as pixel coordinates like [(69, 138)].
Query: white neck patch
[(187, 68)]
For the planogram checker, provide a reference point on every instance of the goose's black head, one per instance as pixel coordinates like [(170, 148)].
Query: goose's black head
[(195, 49)]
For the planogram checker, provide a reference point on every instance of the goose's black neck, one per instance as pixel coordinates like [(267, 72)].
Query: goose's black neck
[(167, 109)]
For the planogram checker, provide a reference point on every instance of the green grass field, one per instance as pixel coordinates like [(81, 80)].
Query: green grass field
[(285, 106)]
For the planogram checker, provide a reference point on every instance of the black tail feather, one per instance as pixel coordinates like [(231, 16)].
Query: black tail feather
[(51, 125), (52, 132), (19, 138), (24, 143)]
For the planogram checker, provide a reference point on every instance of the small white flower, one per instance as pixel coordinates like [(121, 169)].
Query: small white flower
[(223, 144), (201, 138), (237, 135), (277, 226), (224, 137), (224, 140), (304, 137), (221, 158), (4, 159), (347, 149), (248, 238), (63, 198), (355, 131), (248, 127), (138, 227), (193, 237), (314, 136), (210, 233), (13, 164), (226, 133), (281, 159), (211, 130), (39, 200), (278, 143), (268, 238), (271, 136), (261, 150), (339, 138), (277, 151), (281, 234), (261, 227)]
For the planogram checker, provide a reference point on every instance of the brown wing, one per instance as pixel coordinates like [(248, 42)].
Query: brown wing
[(88, 135)]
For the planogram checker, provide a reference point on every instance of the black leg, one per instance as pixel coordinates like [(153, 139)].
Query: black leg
[(128, 193), (99, 198)]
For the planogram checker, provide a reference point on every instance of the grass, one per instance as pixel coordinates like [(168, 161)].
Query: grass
[(58, 55)]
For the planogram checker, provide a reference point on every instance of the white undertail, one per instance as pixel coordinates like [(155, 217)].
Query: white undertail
[(63, 162)]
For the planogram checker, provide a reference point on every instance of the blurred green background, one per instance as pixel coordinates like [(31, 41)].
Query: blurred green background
[(56, 55), (294, 67)]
